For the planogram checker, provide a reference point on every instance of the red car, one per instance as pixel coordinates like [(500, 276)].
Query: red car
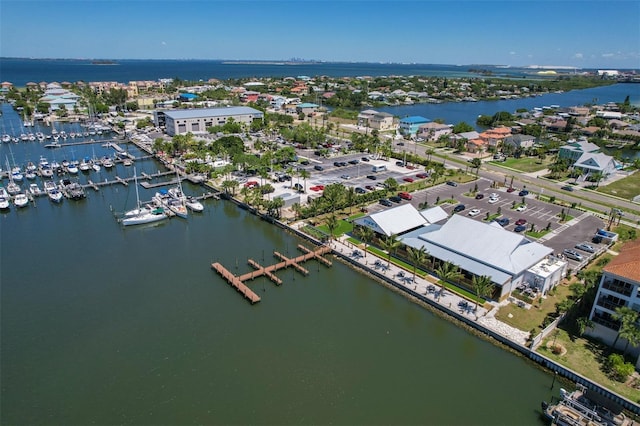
[(407, 179), (511, 189), (251, 184), (405, 195), (370, 187), (521, 221), (422, 175)]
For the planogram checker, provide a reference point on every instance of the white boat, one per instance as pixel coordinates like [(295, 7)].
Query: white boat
[(194, 205), (72, 168), (16, 174), (95, 166), (52, 191), (21, 200), (13, 188), (35, 190), (85, 165), (107, 163), (142, 214), (30, 175), (178, 207), (4, 198), (6, 138)]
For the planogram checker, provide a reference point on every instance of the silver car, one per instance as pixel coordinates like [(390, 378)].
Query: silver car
[(572, 254), (585, 247)]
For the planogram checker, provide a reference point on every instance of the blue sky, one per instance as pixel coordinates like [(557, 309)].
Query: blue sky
[(578, 33)]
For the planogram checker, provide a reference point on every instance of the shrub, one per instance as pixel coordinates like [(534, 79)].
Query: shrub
[(619, 369)]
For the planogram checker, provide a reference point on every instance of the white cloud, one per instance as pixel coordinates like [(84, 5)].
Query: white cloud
[(608, 55), (512, 53), (164, 43), (578, 56)]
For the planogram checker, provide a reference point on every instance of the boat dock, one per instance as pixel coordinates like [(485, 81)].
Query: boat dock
[(238, 282)]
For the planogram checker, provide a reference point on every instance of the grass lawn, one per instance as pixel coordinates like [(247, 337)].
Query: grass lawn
[(529, 319), (524, 164), (586, 357), (626, 188), (344, 227), (536, 234)]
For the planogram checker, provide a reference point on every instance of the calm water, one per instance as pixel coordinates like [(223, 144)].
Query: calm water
[(21, 71), (105, 325)]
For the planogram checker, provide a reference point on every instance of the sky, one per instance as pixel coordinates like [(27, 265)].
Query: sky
[(572, 33)]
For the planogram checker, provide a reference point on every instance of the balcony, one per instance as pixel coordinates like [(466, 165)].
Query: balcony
[(618, 287)]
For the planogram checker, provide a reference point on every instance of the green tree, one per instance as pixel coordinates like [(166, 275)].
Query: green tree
[(332, 225), (416, 256), (390, 244), (482, 286), (627, 318), (476, 163), (391, 184), (365, 235), (447, 271)]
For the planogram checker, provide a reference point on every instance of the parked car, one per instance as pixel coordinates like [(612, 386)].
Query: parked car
[(400, 144), (365, 158), (459, 208), (422, 175), (519, 228), (370, 187), (395, 199), (452, 183), (342, 163), (572, 254), (360, 190), (585, 247), (400, 163), (345, 177), (251, 184), (385, 202), (521, 208), (511, 189), (305, 162), (298, 187), (567, 188), (336, 163), (597, 239), (494, 195), (318, 167), (354, 161), (503, 221), (405, 195), (523, 193), (493, 200), (372, 177), (474, 212), (407, 179), (479, 196)]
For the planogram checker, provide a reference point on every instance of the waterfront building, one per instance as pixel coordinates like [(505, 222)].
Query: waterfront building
[(511, 260), (380, 121), (433, 131), (409, 125), (306, 108), (520, 140), (619, 286), (180, 122), (574, 149)]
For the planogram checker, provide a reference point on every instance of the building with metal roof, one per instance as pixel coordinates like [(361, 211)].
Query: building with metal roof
[(477, 248), (179, 122)]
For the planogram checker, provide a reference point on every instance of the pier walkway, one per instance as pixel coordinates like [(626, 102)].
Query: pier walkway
[(238, 281)]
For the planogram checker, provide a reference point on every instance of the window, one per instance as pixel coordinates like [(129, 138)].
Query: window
[(618, 287)]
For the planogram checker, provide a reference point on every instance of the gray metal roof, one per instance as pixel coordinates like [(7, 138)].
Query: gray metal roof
[(434, 214), (182, 114), (486, 244)]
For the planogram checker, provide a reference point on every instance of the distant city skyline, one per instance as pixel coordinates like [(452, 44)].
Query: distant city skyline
[(544, 33)]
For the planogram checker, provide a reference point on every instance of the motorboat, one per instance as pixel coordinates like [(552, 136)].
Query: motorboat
[(21, 200), (4, 198), (13, 188), (72, 189), (72, 168), (35, 190), (194, 205), (52, 191), (16, 174), (177, 206), (85, 165), (107, 163)]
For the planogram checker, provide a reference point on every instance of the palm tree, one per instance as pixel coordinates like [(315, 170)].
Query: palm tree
[(476, 163), (332, 224), (627, 317), (305, 174), (482, 286), (417, 257), (447, 271), (365, 234), (390, 244)]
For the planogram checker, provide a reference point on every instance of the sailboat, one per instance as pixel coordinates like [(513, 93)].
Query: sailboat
[(141, 214)]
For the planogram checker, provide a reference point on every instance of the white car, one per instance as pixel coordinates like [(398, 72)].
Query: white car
[(474, 212), (493, 200), (494, 195), (521, 208)]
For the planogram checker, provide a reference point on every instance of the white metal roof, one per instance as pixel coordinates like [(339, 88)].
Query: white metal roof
[(393, 221), (434, 214), (211, 112)]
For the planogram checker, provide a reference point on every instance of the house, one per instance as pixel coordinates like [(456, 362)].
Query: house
[(249, 96), (187, 97), (179, 122), (433, 131), (495, 137), (409, 125), (619, 286), (575, 148), (306, 108), (520, 141), (380, 121), (595, 162)]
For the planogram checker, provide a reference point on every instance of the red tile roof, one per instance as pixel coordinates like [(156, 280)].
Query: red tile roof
[(627, 263)]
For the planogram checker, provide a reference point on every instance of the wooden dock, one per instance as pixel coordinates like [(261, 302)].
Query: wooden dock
[(238, 281)]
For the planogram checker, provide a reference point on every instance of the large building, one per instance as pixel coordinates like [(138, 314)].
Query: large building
[(619, 286), (180, 122), (409, 126), (509, 259)]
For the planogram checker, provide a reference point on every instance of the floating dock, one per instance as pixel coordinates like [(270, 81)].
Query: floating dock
[(238, 281)]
